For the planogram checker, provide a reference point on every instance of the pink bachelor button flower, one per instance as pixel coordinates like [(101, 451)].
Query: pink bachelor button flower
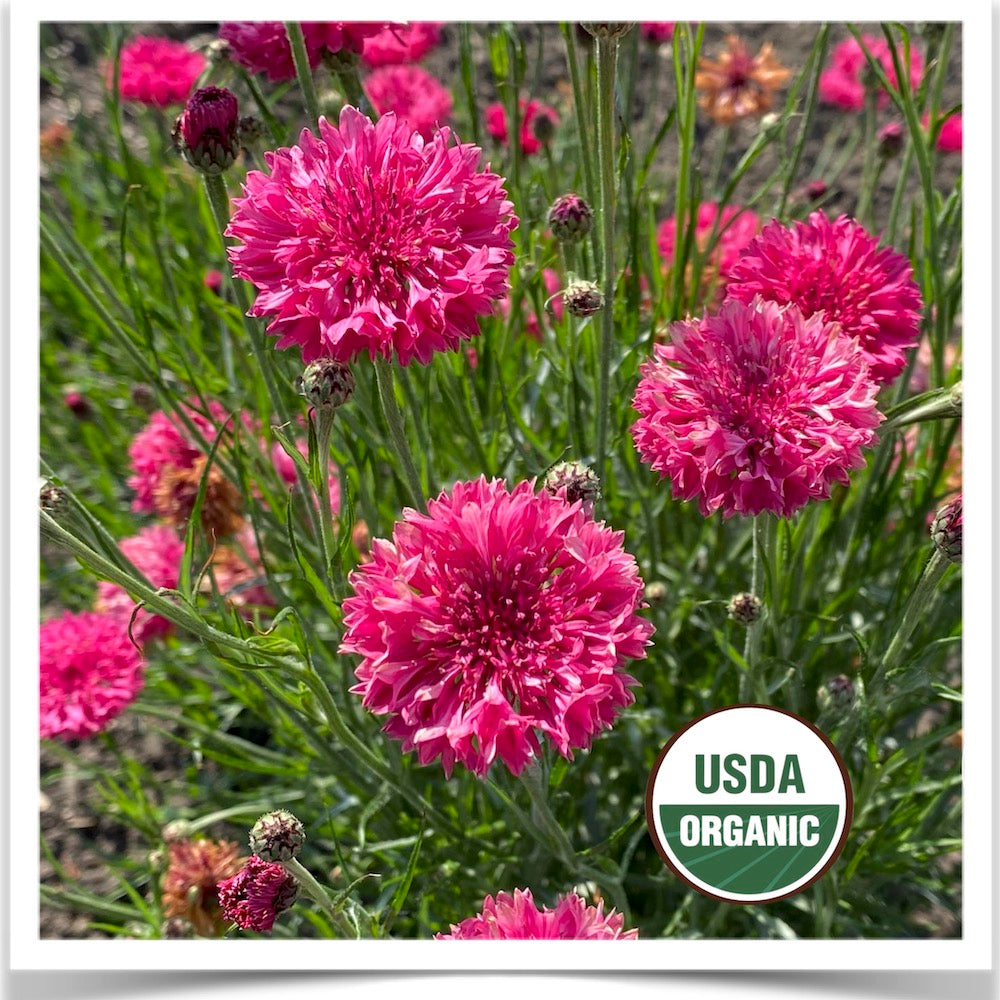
[(156, 552), (839, 268), (255, 896), (413, 94), (736, 228), (157, 71), (498, 613), (949, 139), (89, 672), (401, 43), (532, 134), (516, 917), (755, 409), (843, 82), (369, 240), (262, 46)]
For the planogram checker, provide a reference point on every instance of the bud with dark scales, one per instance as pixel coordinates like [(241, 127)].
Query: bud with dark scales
[(543, 127), (52, 499), (277, 836), (837, 694), (207, 132), (326, 383), (583, 298), (744, 608), (655, 592), (574, 481), (890, 140), (177, 927), (947, 530), (609, 29), (570, 218)]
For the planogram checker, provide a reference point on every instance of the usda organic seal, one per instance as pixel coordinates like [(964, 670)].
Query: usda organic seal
[(749, 804)]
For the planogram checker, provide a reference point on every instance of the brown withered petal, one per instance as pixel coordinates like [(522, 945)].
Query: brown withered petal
[(190, 884), (736, 85), (175, 494)]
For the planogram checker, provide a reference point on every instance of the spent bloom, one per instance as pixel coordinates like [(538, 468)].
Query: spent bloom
[(738, 85), (413, 94), (758, 408), (89, 671), (517, 917), (496, 616), (843, 82), (255, 896), (156, 552), (207, 131), (368, 240), (190, 883), (263, 47), (531, 112), (157, 71), (839, 268), (401, 43)]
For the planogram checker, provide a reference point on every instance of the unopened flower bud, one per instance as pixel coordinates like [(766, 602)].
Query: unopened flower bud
[(250, 130), (213, 281), (583, 298), (218, 52), (543, 127), (956, 399), (890, 140), (176, 928), (947, 530), (78, 405), (52, 499), (326, 383), (815, 189), (570, 218), (277, 836), (744, 608), (655, 592), (177, 829), (836, 694), (143, 396), (574, 481), (207, 131), (608, 29)]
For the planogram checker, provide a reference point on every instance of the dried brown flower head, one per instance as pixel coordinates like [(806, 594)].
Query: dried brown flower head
[(737, 85), (175, 494), (54, 139), (190, 883)]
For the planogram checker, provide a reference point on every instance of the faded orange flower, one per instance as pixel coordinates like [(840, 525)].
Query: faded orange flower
[(53, 139), (175, 494), (190, 885), (737, 85)]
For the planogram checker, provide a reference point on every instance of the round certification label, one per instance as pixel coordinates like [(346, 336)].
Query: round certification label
[(749, 804)]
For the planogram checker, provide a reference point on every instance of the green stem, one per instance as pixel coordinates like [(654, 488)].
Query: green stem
[(311, 888), (607, 56), (324, 431), (752, 685), (387, 395), (304, 71)]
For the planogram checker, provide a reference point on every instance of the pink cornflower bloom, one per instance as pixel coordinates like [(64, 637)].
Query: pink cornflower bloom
[(166, 441), (532, 323), (498, 613), (657, 31), (736, 228), (89, 671), (368, 240), (262, 46), (255, 896), (517, 917), (837, 267), (156, 552), (531, 113), (949, 139), (157, 71), (755, 409), (843, 82), (401, 43), (413, 94)]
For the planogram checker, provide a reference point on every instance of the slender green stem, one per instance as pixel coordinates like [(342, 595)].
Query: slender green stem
[(387, 395), (311, 888), (607, 57), (751, 684), (303, 70), (324, 431)]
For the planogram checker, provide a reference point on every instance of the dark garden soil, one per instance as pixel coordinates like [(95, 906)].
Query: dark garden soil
[(74, 819)]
